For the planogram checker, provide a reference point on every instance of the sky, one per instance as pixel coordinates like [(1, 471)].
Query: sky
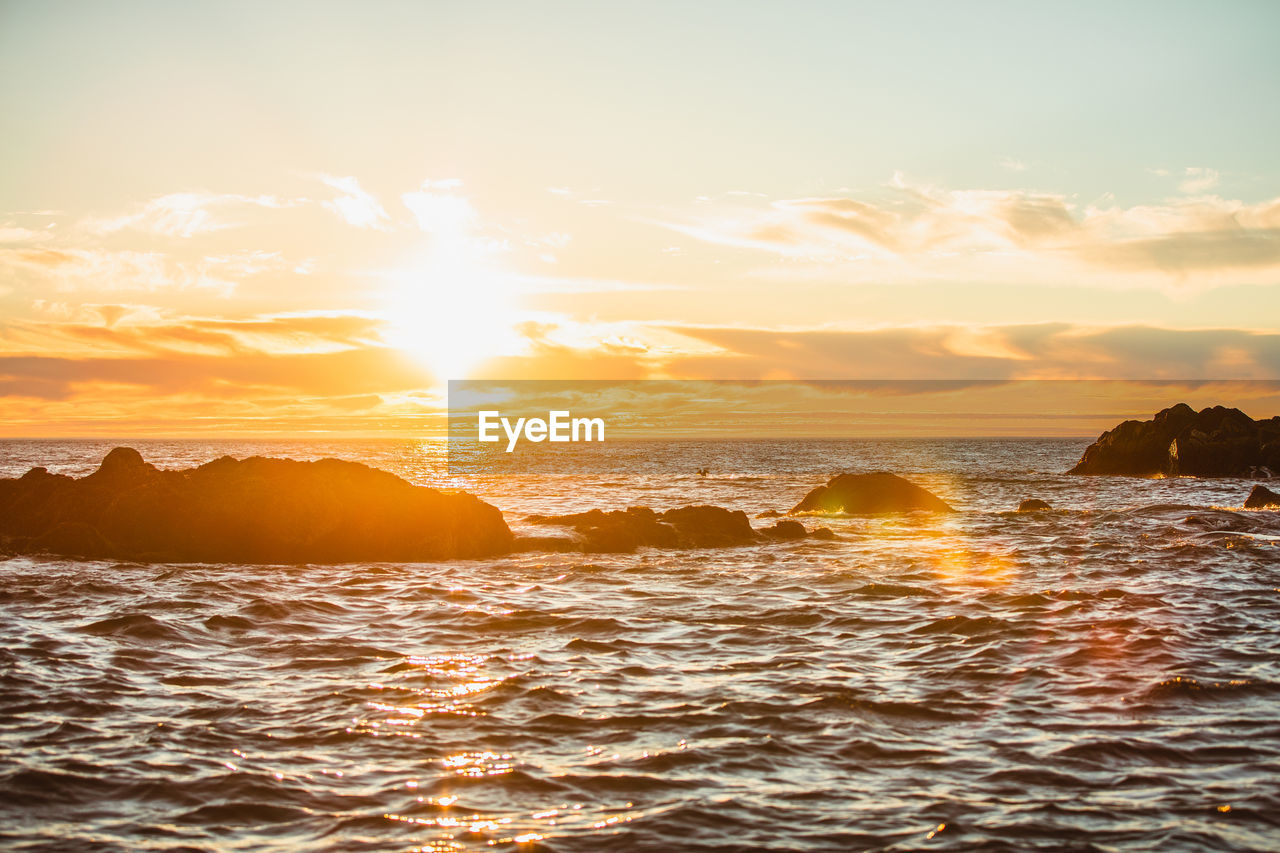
[(304, 217)]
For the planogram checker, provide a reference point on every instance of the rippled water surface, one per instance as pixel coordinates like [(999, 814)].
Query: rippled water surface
[(1102, 676)]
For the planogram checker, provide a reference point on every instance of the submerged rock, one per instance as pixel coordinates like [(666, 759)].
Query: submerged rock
[(1033, 505), (870, 494), (1262, 497), (1178, 441), (255, 510)]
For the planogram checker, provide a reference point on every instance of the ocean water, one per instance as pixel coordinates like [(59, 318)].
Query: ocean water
[(1105, 676)]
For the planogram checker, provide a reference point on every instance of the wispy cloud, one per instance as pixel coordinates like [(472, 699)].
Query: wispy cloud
[(1198, 180), (916, 231), (70, 270), (354, 205), (1037, 351), (185, 214), (439, 210)]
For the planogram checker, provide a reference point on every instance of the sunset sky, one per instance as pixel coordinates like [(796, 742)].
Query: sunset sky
[(297, 217)]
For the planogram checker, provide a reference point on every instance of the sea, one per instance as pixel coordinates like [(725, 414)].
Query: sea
[(1101, 676)]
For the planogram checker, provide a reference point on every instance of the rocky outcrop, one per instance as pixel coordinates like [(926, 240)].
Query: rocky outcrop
[(1179, 441), (255, 510), (1261, 498), (620, 531), (869, 494), (1033, 505)]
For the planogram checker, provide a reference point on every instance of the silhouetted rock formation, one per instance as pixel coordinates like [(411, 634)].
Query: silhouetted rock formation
[(870, 494), (1178, 441), (1262, 497), (1033, 505), (255, 510)]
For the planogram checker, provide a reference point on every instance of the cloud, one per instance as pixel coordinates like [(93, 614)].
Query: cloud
[(1198, 180), (75, 330), (913, 232), (17, 234), (367, 390), (360, 371), (68, 270), (89, 368), (1037, 351), (185, 214), (354, 205), (89, 353), (440, 211)]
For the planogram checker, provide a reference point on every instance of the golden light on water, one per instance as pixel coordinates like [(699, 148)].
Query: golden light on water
[(968, 564)]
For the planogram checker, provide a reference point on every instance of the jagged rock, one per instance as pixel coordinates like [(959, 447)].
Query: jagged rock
[(1033, 505), (1262, 497), (870, 494), (1178, 441), (255, 510)]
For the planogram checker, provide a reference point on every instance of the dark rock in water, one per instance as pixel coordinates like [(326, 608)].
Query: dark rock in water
[(621, 531), (1033, 505), (625, 530), (870, 494), (769, 513), (1262, 497), (786, 529), (823, 533), (1136, 448), (255, 510), (1178, 441)]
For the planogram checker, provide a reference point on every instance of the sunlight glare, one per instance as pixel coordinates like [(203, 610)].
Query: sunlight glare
[(452, 306)]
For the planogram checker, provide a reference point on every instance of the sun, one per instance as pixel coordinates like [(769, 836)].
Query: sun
[(452, 305)]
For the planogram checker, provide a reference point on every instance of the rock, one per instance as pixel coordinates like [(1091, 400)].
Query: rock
[(870, 494), (710, 526), (1033, 505), (786, 530), (255, 510), (823, 533), (1262, 497), (1178, 441), (625, 530), (72, 539), (621, 531), (769, 513)]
